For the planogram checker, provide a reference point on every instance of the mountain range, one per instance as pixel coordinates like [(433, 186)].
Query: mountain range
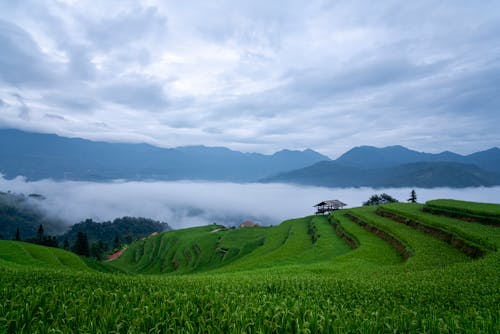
[(391, 156), (38, 156), (397, 166)]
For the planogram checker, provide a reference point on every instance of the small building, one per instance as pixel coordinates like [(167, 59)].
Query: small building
[(248, 223), (329, 206)]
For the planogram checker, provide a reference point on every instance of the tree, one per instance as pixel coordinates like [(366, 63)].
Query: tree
[(52, 241), (18, 235), (66, 244), (129, 239), (380, 199), (97, 250), (81, 246), (117, 244), (373, 200), (413, 197), (40, 234), (385, 198)]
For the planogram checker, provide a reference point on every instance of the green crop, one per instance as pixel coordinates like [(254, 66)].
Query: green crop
[(484, 209), (485, 213), (259, 280)]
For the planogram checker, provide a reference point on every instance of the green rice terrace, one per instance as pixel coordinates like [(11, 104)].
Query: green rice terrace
[(393, 268)]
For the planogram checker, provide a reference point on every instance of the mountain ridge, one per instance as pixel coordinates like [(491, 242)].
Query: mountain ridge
[(416, 174), (375, 157), (38, 156)]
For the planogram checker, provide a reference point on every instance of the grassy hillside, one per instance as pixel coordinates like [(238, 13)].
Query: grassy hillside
[(17, 254), (215, 247), (485, 209), (403, 275), (485, 213)]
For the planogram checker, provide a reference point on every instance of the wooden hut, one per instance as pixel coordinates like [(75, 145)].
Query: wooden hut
[(328, 206), (248, 223)]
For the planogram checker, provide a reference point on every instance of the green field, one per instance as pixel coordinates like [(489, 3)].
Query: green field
[(486, 213), (299, 276)]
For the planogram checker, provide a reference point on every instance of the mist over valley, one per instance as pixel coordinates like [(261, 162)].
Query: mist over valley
[(189, 203)]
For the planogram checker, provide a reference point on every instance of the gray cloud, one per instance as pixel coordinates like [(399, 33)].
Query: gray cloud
[(120, 29), (21, 60), (72, 102), (24, 111), (136, 94), (254, 75)]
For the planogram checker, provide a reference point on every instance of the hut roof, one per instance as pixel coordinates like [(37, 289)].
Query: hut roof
[(333, 203), (248, 223)]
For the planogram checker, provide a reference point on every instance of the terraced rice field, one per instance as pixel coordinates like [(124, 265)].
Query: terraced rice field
[(485, 213), (392, 275)]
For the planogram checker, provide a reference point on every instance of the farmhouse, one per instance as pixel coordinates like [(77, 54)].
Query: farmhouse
[(328, 206), (248, 223)]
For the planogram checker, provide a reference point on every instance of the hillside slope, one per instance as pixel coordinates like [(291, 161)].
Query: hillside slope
[(310, 242), (410, 274), (17, 254), (215, 247)]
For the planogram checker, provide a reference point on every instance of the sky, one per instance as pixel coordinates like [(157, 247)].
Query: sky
[(255, 76)]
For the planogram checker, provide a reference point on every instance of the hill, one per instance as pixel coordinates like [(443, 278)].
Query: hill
[(126, 229), (17, 254), (21, 211), (420, 174), (392, 268), (215, 247), (39, 156), (369, 157), (397, 166)]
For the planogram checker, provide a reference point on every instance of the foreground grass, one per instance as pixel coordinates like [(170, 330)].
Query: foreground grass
[(435, 300), (280, 284)]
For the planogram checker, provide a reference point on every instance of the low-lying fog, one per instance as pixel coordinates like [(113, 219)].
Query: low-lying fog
[(186, 203)]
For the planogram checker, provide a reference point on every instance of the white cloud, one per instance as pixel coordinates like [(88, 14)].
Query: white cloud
[(186, 204)]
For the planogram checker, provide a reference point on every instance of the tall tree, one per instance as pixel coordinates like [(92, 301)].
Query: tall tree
[(18, 235), (40, 234), (81, 246), (66, 244), (413, 197), (97, 250), (117, 243)]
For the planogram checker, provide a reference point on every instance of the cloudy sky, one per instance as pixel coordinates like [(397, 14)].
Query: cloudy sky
[(255, 75)]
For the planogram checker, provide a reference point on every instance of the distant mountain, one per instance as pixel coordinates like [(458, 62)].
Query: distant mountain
[(38, 156), (489, 159), (367, 157), (419, 174)]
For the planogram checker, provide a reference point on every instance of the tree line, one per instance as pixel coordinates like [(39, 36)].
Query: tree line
[(81, 246), (385, 198)]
